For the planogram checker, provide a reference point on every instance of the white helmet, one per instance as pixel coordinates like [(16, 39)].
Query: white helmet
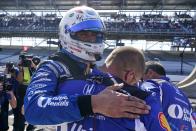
[(82, 19)]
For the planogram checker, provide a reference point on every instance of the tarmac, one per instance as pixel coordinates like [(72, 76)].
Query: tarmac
[(11, 120)]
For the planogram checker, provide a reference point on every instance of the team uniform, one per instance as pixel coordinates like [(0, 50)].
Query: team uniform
[(153, 121), (175, 104), (42, 95), (55, 105)]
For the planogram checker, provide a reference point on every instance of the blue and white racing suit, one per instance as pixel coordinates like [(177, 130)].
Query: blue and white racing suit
[(176, 106), (50, 102), (153, 121), (44, 105)]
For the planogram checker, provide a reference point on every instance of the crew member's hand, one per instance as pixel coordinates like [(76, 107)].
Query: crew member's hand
[(114, 104)]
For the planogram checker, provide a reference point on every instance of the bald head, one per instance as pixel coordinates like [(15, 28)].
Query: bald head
[(125, 58)]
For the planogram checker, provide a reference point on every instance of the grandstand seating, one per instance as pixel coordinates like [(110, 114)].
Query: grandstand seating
[(146, 24)]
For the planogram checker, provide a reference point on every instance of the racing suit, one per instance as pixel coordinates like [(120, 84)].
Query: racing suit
[(50, 101), (176, 106), (44, 105), (99, 81)]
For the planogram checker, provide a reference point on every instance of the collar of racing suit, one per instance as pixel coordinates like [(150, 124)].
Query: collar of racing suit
[(82, 64), (165, 78)]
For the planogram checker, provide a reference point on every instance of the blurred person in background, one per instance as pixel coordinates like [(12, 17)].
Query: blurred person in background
[(175, 103), (11, 73), (26, 68), (6, 96), (81, 44), (34, 63)]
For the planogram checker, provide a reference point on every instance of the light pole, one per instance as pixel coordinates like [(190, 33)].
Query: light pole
[(182, 56)]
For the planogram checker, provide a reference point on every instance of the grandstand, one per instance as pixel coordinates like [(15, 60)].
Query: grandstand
[(98, 4), (126, 19), (145, 26), (151, 27)]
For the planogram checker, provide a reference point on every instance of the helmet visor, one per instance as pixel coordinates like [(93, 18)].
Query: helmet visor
[(88, 36), (95, 25)]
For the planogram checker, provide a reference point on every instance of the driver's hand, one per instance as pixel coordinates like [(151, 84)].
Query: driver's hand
[(114, 104)]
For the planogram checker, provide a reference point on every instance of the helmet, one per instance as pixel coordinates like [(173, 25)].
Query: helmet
[(82, 19)]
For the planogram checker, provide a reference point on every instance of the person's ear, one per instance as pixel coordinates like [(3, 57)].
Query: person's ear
[(129, 75)]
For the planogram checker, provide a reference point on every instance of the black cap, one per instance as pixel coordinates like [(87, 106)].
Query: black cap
[(36, 60)]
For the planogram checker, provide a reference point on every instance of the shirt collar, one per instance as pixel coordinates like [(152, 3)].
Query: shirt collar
[(165, 78)]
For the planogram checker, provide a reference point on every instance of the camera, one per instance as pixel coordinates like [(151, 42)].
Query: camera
[(7, 87), (25, 60), (6, 82), (36, 60), (10, 67)]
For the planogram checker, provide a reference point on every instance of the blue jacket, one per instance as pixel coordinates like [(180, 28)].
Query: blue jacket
[(175, 104), (153, 121), (43, 104)]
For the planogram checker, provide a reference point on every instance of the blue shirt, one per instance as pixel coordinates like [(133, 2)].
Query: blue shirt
[(176, 105), (153, 121)]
